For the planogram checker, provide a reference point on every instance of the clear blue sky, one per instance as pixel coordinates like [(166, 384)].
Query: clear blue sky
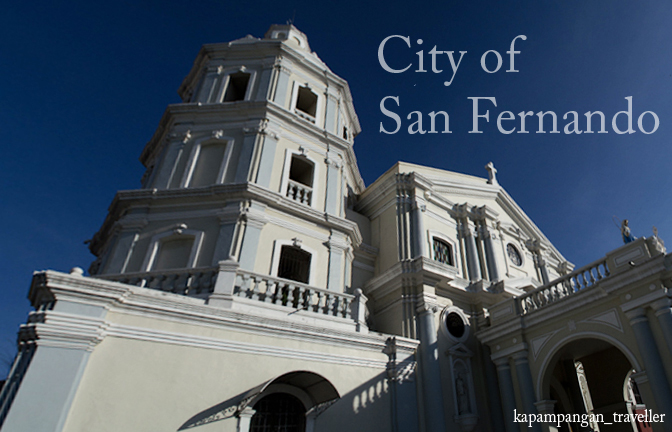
[(84, 86)]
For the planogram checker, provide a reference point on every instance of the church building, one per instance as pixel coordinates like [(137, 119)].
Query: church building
[(255, 283)]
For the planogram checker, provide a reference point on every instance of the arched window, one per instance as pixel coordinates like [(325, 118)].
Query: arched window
[(279, 412)]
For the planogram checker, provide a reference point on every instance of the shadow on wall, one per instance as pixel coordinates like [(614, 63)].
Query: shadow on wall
[(221, 411), (377, 405)]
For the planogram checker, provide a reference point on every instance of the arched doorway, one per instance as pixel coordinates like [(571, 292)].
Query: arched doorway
[(288, 403), (590, 377)]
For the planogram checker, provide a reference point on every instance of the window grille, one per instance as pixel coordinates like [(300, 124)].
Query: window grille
[(443, 252), (279, 412), (294, 264)]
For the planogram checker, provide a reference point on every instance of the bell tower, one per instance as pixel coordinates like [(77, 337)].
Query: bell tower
[(252, 170)]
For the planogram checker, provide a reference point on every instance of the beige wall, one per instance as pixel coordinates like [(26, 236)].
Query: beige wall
[(141, 385)]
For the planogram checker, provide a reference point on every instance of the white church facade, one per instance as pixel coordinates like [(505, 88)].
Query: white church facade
[(254, 283)]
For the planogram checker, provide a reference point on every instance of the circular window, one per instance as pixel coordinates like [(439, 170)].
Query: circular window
[(514, 255), (455, 325)]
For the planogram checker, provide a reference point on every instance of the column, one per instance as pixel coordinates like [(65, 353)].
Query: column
[(419, 229), (491, 262), (333, 197), (494, 401), (541, 265), (431, 374), (547, 407), (472, 252), (403, 207), (506, 392), (662, 311), (525, 385), (534, 246), (255, 220), (652, 362)]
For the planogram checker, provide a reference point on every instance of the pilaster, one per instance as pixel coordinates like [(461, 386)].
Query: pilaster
[(330, 119), (128, 231), (333, 197), (254, 219), (228, 219), (283, 71), (249, 145), (268, 146), (337, 245)]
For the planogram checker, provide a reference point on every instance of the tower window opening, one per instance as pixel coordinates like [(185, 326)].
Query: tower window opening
[(294, 264), (345, 133), (279, 412), (306, 102), (300, 184), (301, 171), (443, 252), (237, 87)]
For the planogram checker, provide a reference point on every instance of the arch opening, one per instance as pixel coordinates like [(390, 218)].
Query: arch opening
[(589, 376)]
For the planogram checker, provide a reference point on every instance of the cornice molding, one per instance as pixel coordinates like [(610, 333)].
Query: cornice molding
[(224, 193), (49, 286)]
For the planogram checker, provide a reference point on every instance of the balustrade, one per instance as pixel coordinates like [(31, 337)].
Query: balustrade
[(581, 279), (284, 292), (190, 282), (200, 282), (299, 192)]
